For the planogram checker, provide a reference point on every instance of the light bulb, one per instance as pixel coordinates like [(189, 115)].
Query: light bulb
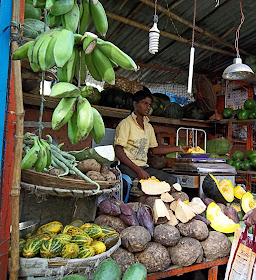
[(154, 35)]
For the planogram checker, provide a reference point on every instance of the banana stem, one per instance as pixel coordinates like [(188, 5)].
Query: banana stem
[(77, 171)]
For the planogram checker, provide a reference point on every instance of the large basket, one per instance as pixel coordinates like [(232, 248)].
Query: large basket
[(59, 267)]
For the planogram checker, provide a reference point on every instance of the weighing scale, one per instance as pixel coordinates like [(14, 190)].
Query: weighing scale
[(191, 169)]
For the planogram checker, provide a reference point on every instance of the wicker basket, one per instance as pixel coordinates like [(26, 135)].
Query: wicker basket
[(126, 85)]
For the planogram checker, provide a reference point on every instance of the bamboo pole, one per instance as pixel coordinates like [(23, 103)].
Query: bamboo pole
[(189, 24), (19, 114), (167, 34)]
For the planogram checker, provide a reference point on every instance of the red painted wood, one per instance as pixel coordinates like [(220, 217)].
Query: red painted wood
[(212, 273), (194, 267), (7, 179)]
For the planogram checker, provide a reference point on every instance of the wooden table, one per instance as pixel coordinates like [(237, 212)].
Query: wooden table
[(212, 267)]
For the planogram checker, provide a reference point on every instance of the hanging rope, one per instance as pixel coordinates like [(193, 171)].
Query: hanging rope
[(194, 23), (238, 29)]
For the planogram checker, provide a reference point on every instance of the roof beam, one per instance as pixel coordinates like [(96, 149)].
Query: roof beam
[(189, 24), (167, 34)]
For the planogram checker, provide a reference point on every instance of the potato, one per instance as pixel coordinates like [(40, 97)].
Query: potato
[(95, 176), (104, 169), (114, 222), (216, 246), (186, 252), (124, 258), (135, 238), (110, 176), (89, 165), (167, 235), (195, 229), (180, 195), (155, 257)]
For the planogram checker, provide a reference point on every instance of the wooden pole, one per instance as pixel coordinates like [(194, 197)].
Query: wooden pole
[(189, 24), (166, 34), (143, 65), (19, 113)]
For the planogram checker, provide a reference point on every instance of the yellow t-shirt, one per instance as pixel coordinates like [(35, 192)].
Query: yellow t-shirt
[(135, 140)]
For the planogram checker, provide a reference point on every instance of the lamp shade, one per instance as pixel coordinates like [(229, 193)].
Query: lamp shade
[(237, 71)]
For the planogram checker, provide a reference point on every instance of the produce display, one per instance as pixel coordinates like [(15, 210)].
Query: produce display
[(247, 112)]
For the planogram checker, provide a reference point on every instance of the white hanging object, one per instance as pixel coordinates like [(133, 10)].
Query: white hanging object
[(191, 67), (154, 35)]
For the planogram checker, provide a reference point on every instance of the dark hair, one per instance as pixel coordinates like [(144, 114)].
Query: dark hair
[(139, 95)]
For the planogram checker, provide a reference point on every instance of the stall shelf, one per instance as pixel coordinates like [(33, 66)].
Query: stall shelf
[(212, 267)]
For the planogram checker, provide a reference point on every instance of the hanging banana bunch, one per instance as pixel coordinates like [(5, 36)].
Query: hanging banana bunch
[(73, 54)]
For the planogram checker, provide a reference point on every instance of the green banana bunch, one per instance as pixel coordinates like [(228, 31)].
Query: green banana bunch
[(61, 7), (84, 117), (99, 17), (89, 42), (32, 155), (63, 47), (92, 68), (63, 89), (70, 20), (116, 55), (74, 134), (85, 16), (48, 152), (98, 130), (42, 158), (22, 51), (42, 53), (103, 65), (63, 112)]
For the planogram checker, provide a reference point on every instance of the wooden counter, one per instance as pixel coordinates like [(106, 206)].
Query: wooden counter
[(212, 267)]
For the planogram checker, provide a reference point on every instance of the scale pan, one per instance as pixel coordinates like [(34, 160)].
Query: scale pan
[(195, 155)]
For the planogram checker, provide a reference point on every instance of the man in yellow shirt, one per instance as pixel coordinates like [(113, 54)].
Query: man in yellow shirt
[(135, 137)]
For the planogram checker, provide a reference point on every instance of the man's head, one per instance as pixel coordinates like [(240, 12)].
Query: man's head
[(142, 102)]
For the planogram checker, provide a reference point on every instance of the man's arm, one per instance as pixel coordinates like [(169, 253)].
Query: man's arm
[(166, 150), (141, 174)]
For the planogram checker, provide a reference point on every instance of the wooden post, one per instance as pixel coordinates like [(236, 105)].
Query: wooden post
[(15, 189)]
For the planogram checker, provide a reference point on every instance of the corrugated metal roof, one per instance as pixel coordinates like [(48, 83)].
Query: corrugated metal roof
[(173, 54)]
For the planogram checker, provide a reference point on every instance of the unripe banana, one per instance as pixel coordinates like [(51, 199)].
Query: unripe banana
[(31, 157), (72, 18), (39, 3), (62, 7), (84, 117), (48, 152), (53, 21), (42, 53), (62, 89), (49, 58), (49, 4), (98, 130), (22, 51), (63, 112), (63, 48), (104, 66), (86, 15), (42, 158), (116, 55), (89, 42), (92, 68), (86, 91), (73, 132), (99, 17)]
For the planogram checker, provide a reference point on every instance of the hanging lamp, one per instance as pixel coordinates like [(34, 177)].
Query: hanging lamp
[(154, 35), (238, 70)]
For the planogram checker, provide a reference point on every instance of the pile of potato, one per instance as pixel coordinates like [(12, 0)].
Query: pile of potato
[(96, 171)]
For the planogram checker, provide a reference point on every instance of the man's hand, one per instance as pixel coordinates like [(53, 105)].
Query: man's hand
[(250, 217), (184, 149), (142, 174)]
